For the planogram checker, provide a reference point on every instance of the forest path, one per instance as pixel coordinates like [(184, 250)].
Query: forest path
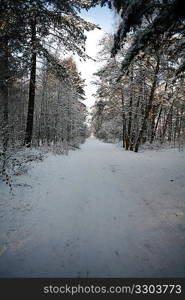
[(98, 212)]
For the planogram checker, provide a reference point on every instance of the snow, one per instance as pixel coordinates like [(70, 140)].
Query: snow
[(98, 212)]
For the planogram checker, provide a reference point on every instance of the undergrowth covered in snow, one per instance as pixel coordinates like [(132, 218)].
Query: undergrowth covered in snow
[(17, 161)]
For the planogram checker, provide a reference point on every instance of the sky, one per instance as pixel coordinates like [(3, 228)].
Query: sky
[(103, 17)]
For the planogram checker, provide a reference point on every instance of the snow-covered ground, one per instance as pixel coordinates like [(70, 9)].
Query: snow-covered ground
[(98, 212)]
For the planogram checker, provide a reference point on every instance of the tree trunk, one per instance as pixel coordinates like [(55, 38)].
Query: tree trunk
[(4, 83), (176, 126), (153, 117), (4, 90), (135, 126), (156, 126), (170, 126), (123, 120), (149, 106), (32, 86), (130, 112), (5, 118), (167, 121)]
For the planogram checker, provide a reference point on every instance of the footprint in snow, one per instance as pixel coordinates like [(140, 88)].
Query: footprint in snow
[(117, 253), (113, 168), (23, 185)]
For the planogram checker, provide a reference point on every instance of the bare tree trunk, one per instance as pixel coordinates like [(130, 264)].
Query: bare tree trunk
[(156, 126), (180, 123), (32, 86), (130, 112), (135, 126), (149, 106), (176, 126), (167, 121), (123, 121), (4, 83), (170, 126)]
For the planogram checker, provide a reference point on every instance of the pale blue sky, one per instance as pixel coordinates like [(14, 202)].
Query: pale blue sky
[(105, 18), (102, 16)]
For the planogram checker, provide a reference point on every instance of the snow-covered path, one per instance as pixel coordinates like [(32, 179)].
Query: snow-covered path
[(99, 212)]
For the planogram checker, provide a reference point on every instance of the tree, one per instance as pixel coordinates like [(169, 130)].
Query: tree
[(60, 20), (12, 65), (149, 20), (59, 113), (146, 104), (10, 33)]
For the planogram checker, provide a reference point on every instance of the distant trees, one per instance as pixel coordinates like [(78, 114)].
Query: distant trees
[(60, 114), (58, 106)]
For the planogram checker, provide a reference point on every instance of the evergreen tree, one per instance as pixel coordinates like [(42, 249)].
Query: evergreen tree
[(149, 20)]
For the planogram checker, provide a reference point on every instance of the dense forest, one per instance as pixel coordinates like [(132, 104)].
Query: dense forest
[(41, 90), (140, 87), (140, 95)]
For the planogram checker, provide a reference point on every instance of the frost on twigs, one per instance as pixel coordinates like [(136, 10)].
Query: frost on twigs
[(17, 162)]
